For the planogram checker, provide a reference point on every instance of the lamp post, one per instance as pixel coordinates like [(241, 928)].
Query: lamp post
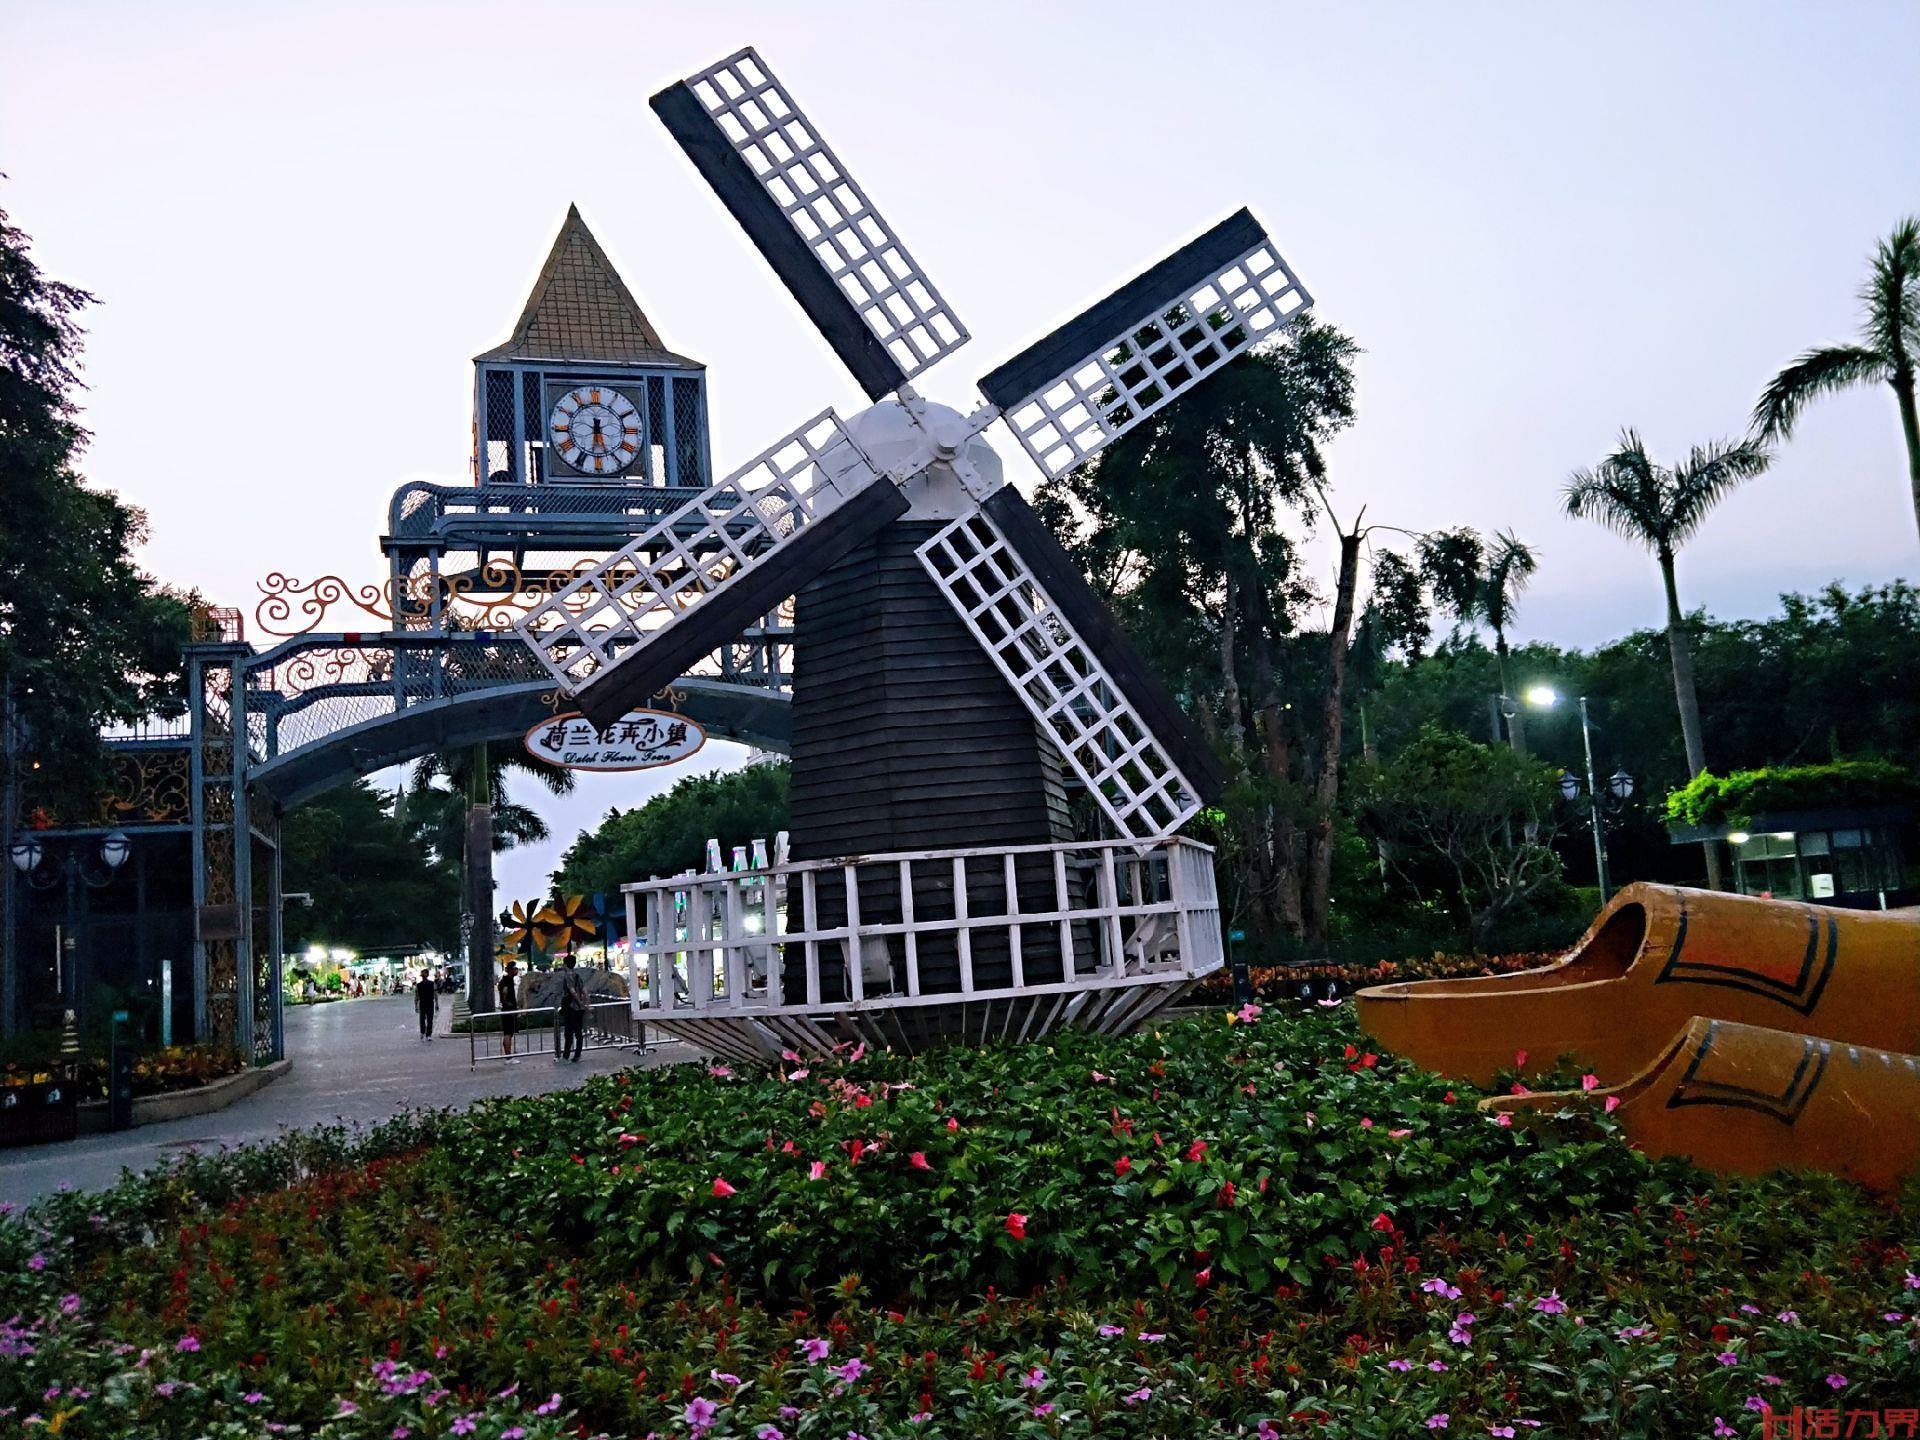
[(28, 852), (1619, 785)]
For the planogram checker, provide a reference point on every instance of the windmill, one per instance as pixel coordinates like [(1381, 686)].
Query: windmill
[(928, 593), (527, 927), (573, 920)]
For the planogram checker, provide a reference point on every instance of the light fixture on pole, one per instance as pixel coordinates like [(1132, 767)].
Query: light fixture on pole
[(1619, 785)]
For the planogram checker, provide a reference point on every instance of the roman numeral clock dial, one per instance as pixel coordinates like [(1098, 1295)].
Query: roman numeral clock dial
[(596, 429)]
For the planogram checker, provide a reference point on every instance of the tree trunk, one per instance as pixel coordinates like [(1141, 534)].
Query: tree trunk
[(1516, 721), (1902, 383), (1326, 781), (1229, 676), (479, 897), (1685, 696), (1282, 839)]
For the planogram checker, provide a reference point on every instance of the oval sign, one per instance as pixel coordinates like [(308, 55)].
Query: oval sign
[(638, 740)]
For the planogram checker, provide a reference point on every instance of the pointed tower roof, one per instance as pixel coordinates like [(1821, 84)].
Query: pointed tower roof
[(581, 309)]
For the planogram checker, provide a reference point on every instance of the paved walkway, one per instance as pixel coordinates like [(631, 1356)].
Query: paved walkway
[(353, 1060)]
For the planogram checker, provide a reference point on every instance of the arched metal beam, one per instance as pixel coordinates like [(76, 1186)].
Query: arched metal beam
[(746, 713)]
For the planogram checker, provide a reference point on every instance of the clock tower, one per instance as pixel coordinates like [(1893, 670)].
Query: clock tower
[(585, 390)]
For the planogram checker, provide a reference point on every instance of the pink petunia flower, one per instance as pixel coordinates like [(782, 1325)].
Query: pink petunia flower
[(815, 1350)]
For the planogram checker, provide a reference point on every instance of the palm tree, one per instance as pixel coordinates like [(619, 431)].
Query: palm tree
[(1510, 565), (1889, 350), (1663, 508), (471, 816)]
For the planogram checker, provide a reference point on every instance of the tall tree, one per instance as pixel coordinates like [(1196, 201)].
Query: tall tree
[(1663, 507), (1183, 522), (471, 816), (374, 886), (1510, 566), (1888, 350), (85, 637)]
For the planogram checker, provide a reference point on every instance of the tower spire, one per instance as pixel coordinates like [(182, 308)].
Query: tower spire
[(580, 309)]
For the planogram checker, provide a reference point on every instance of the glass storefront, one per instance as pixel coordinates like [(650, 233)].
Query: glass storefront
[(1819, 864)]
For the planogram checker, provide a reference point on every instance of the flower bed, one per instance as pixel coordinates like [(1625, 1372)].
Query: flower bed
[(1219, 1228), (1280, 983)]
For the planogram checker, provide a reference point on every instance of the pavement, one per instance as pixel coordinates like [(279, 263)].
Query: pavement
[(357, 1061)]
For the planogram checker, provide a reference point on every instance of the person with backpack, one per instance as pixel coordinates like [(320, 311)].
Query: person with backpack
[(573, 1011)]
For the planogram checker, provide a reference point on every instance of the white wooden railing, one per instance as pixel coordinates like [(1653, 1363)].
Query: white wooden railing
[(784, 938)]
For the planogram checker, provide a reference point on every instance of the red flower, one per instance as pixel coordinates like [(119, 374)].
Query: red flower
[(1383, 1221), (1122, 1165), (1226, 1196), (721, 1189), (952, 1124), (1017, 1225), (919, 1160), (1202, 1277), (627, 1142), (1196, 1150)]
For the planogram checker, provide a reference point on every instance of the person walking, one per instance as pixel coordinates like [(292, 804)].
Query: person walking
[(426, 1000), (573, 1011), (508, 991)]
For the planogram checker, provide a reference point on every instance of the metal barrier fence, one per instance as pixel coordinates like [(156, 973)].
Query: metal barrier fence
[(536, 1032)]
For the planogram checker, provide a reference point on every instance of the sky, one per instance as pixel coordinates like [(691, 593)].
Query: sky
[(1542, 222)]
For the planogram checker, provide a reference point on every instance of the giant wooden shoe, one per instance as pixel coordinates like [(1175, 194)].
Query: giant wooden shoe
[(1745, 1100), (1653, 960)]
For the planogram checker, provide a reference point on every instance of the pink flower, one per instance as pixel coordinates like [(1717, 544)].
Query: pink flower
[(549, 1405), (1721, 1427), (1017, 1225), (699, 1413), (463, 1425), (1613, 1103), (1504, 1121), (1440, 1421), (852, 1370), (1519, 1059), (1135, 1397), (769, 1432), (1401, 1365), (1437, 1286), (1589, 1082), (1837, 1381), (721, 1377), (1438, 1366), (1398, 1134), (1727, 1357), (1366, 1122), (1034, 1378), (1501, 1432), (1754, 1402), (1551, 1304), (918, 1159), (815, 1349), (188, 1343), (1044, 1410), (1151, 1337), (817, 1170), (719, 1072), (952, 1124), (721, 1189), (1112, 1330), (1249, 1013)]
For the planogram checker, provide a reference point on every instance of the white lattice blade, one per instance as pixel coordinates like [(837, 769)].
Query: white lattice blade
[(1155, 339), (829, 212), (1059, 679), (673, 570)]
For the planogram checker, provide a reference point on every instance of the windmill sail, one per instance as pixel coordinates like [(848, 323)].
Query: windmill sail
[(623, 629), (1153, 339), (1055, 643), (812, 221)]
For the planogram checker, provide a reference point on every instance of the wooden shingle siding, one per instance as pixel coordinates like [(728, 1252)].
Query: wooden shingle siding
[(905, 737)]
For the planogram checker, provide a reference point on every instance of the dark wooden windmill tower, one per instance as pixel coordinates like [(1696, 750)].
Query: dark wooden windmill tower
[(955, 678)]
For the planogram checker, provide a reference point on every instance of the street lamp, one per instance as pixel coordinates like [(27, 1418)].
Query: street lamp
[(1619, 784)]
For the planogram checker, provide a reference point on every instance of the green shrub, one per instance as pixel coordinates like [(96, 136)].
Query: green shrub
[(1712, 800)]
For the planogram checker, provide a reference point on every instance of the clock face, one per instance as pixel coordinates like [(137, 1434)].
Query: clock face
[(596, 429)]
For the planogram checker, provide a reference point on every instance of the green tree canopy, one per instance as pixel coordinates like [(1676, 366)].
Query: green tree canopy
[(669, 833), (375, 886), (85, 638)]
